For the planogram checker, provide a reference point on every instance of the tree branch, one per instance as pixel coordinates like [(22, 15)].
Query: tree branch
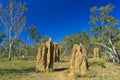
[(104, 46)]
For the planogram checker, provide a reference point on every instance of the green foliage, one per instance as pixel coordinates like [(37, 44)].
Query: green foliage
[(32, 50), (44, 39), (13, 12), (76, 38), (104, 25), (19, 47), (1, 50), (101, 63), (13, 19), (2, 36), (35, 35)]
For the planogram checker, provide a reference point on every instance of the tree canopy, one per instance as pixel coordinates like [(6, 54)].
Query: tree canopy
[(13, 19), (105, 29)]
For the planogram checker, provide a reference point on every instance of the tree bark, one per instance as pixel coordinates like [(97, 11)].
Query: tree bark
[(64, 53), (10, 44), (10, 48), (115, 52), (113, 58)]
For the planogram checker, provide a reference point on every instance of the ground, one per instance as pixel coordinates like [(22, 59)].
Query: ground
[(25, 70)]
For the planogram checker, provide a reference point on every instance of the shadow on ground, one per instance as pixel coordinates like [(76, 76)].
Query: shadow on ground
[(16, 71), (60, 69), (64, 61)]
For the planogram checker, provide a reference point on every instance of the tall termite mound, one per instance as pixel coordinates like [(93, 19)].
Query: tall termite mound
[(56, 53), (50, 54), (45, 56), (41, 62), (78, 62), (96, 52)]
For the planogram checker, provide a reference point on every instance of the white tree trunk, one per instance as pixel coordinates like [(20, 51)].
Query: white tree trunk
[(113, 58), (10, 44), (10, 49), (115, 52), (13, 20), (64, 52), (26, 51)]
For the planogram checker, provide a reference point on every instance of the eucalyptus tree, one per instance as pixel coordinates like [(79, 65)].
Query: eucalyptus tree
[(13, 19), (34, 33), (105, 28), (77, 38), (19, 47)]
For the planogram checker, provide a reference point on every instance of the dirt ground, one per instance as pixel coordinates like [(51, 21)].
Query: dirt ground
[(25, 70)]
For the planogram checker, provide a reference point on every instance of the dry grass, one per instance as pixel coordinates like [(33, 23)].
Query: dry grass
[(25, 70), (95, 72)]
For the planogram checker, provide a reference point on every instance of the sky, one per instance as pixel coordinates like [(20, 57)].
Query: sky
[(60, 18)]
